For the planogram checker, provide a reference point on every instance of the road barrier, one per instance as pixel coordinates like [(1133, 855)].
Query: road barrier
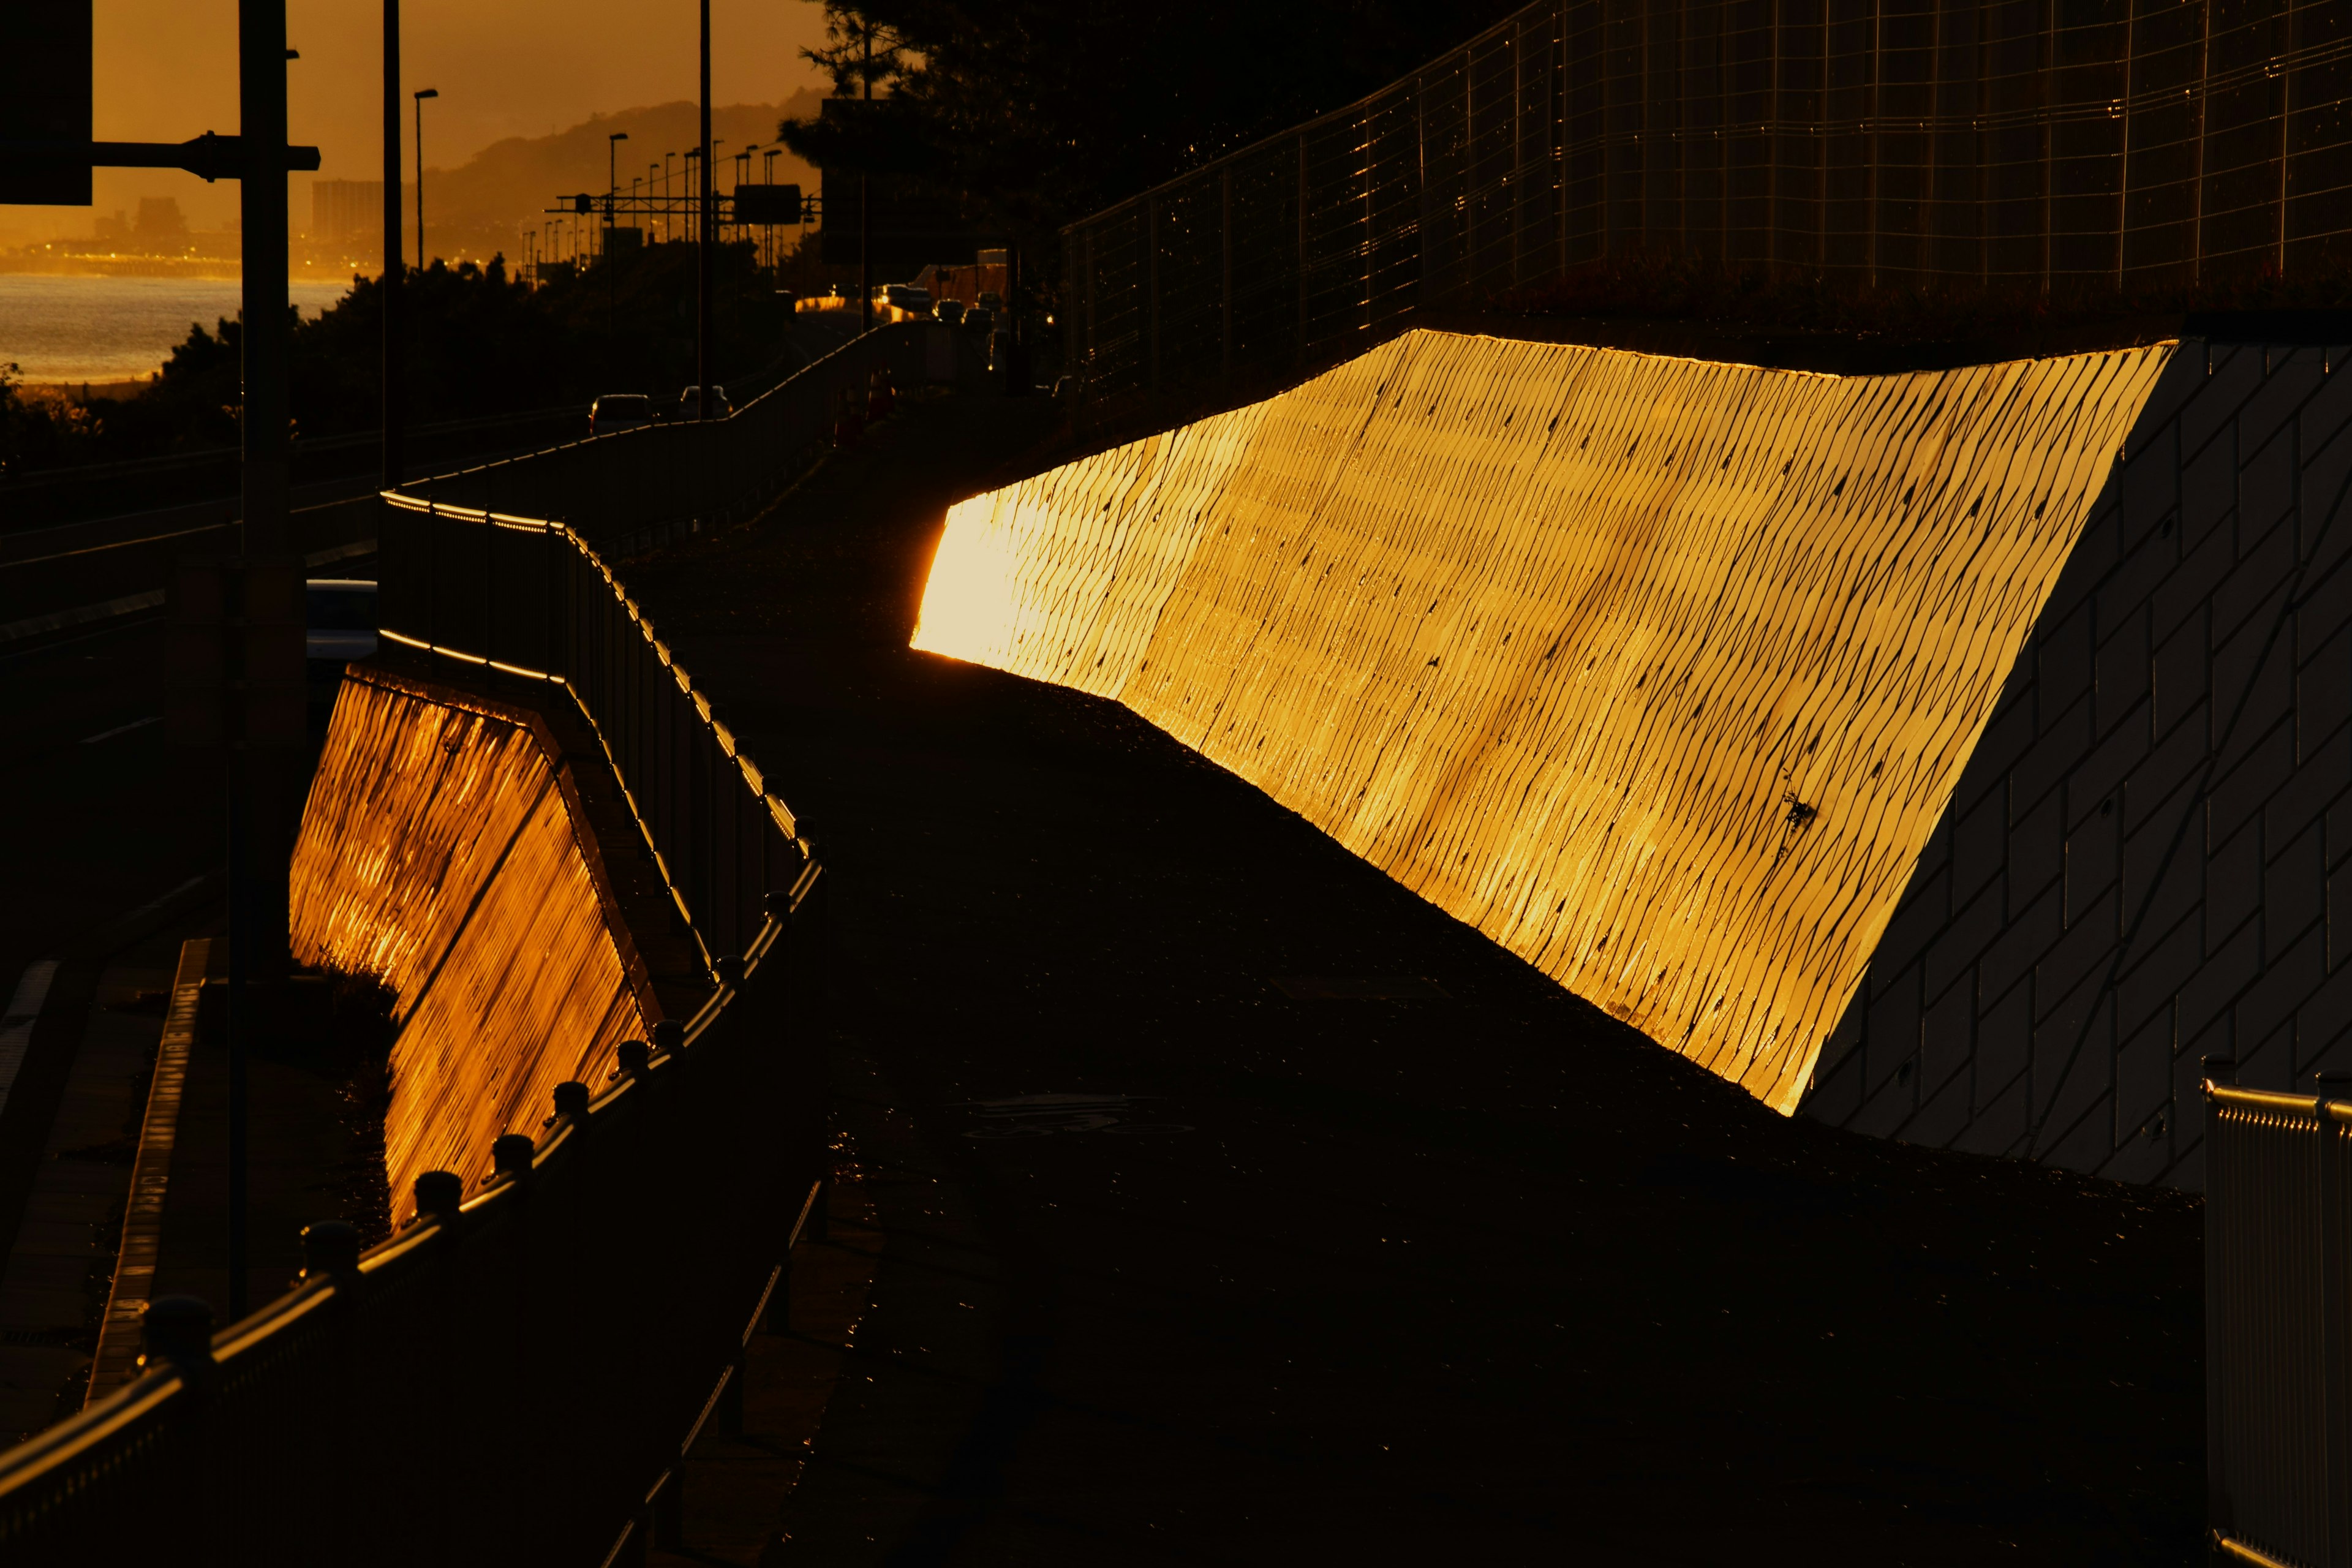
[(634, 489), (520, 1370), (2278, 1323)]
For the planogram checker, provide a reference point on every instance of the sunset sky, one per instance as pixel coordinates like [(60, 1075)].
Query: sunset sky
[(167, 72)]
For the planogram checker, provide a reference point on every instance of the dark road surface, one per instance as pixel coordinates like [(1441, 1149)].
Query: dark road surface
[(1487, 1277)]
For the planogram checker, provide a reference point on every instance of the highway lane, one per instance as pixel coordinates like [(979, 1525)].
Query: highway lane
[(73, 566)]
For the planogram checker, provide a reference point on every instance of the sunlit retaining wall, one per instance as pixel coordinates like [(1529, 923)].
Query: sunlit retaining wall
[(1676, 679), (440, 854)]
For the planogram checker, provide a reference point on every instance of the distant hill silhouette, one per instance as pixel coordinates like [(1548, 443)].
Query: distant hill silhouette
[(483, 205)]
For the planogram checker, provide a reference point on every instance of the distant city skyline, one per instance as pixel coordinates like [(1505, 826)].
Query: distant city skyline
[(167, 70)]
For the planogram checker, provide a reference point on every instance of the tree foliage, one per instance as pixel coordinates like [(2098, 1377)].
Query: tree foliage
[(1038, 112)]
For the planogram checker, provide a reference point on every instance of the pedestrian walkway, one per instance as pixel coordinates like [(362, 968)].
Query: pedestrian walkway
[(1247, 1208)]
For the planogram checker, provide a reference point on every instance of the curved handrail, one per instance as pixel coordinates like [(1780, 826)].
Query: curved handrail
[(339, 1353)]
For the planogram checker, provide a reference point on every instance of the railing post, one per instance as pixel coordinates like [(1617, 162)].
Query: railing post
[(2336, 1381), (730, 1397), (669, 1512), (2218, 1328)]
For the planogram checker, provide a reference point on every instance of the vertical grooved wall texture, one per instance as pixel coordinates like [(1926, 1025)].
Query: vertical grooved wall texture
[(1660, 673), (438, 855)]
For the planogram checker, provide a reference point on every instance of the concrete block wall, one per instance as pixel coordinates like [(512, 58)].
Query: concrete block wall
[(2148, 858)]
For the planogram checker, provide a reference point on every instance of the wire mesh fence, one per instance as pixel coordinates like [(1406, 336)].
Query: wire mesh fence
[(2125, 147)]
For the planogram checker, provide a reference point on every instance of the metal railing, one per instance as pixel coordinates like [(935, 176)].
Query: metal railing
[(634, 489), (509, 1380), (515, 1376), (2278, 1324), (528, 599), (1970, 143)]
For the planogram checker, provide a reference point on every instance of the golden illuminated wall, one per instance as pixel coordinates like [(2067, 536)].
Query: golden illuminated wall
[(1658, 672), (437, 854)]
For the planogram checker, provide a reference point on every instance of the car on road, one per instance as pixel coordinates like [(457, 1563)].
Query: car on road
[(903, 296), (689, 406), (619, 411), (339, 626)]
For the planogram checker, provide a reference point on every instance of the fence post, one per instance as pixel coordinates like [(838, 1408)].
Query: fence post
[(1302, 249), (1372, 173), (1421, 182), (2285, 142), (2217, 1300), (1773, 150), (1225, 274), (1151, 276), (2196, 204), (2335, 1378), (2048, 131), (1877, 72), (2123, 169)]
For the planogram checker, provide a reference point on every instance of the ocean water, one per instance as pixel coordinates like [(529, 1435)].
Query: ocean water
[(113, 329)]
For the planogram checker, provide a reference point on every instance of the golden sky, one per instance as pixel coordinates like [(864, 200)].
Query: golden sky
[(167, 72)]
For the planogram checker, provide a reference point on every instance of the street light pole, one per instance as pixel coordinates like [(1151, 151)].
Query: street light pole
[(865, 201), (263, 630), (394, 464), (703, 256), (420, 95)]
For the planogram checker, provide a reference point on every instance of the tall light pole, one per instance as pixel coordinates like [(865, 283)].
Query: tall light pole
[(612, 181), (263, 596), (866, 199), (395, 468), (703, 256), (770, 176), (420, 94)]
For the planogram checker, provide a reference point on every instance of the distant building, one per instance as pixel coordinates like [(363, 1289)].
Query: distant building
[(160, 226), (346, 210)]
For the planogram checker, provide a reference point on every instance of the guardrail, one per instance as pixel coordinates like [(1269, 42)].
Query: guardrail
[(514, 1376), (634, 489), (2278, 1324), (529, 599), (510, 1379)]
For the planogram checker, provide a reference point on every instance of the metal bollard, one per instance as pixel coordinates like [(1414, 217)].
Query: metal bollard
[(730, 970), (730, 1397), (669, 1037), (669, 1513), (511, 1155), (634, 1057), (439, 1193), (778, 1318), (330, 1248), (570, 1102), (178, 1330)]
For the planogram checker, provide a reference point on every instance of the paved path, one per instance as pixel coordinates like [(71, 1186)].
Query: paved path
[(1486, 1277)]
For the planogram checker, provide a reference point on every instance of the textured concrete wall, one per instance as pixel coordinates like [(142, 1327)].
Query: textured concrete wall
[(438, 855), (1660, 673), (2142, 858)]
